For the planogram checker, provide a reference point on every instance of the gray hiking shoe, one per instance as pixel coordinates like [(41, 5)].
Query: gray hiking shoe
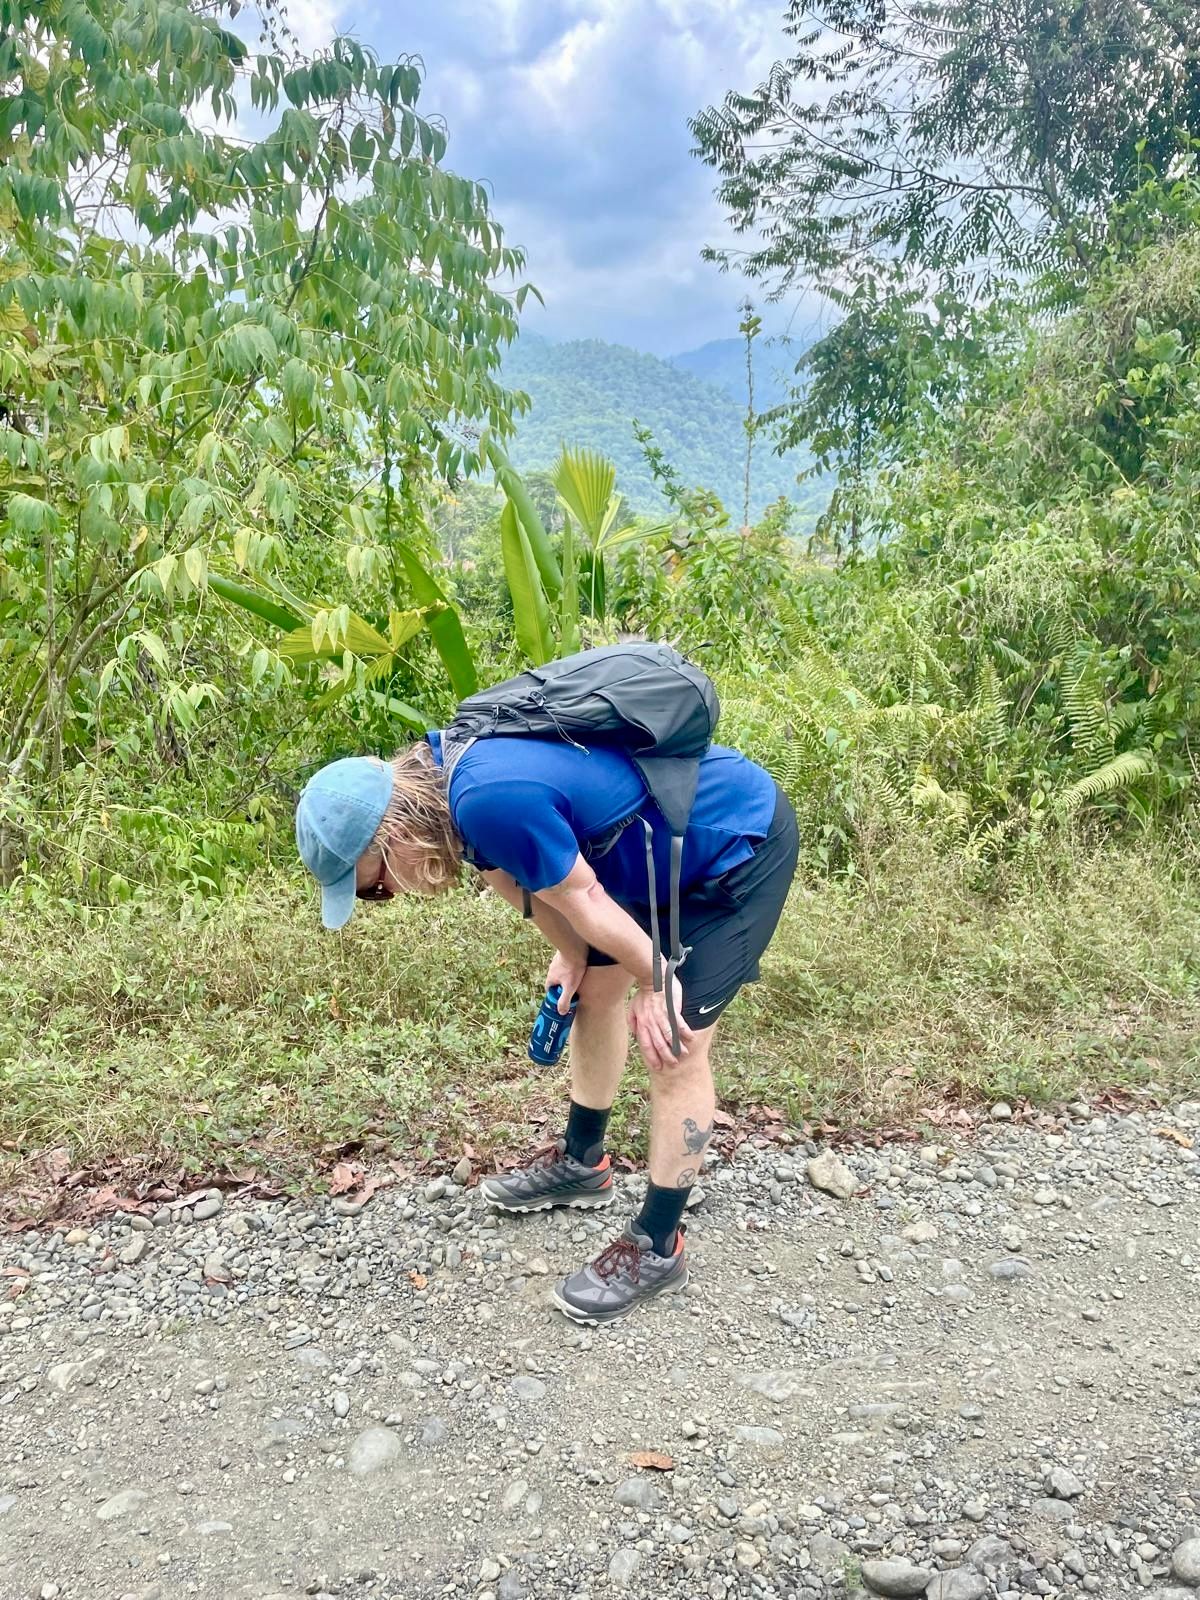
[(557, 1179), (620, 1278)]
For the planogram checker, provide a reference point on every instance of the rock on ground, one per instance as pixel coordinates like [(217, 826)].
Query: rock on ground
[(373, 1450), (1185, 1564), (622, 1567), (896, 1578), (121, 1504), (1063, 1484), (964, 1583), (827, 1173)]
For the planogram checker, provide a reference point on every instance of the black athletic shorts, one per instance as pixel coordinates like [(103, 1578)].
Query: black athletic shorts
[(728, 921)]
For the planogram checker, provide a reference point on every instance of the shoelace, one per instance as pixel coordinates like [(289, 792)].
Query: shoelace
[(620, 1255), (542, 1162), (551, 1156)]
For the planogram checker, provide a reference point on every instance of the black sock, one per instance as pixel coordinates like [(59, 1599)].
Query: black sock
[(585, 1133), (660, 1216)]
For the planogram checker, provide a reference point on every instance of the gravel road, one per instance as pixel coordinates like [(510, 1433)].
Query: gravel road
[(971, 1370)]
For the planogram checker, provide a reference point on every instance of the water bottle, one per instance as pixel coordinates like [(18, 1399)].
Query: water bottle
[(551, 1028)]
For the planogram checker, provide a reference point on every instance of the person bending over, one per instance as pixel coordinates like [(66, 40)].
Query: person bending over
[(551, 819)]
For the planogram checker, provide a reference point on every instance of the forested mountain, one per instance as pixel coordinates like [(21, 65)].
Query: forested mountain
[(723, 362), (586, 392)]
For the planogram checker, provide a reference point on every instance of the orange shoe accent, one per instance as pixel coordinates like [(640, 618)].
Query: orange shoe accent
[(604, 1163)]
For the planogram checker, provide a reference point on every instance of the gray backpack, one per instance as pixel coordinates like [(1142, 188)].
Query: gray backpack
[(644, 699)]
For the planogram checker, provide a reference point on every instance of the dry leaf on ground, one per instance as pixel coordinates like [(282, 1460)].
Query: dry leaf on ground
[(58, 1165), (1181, 1139)]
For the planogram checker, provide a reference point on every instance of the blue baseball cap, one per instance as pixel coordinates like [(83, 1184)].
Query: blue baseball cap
[(338, 815)]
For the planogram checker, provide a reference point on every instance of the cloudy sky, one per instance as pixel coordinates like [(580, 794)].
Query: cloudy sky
[(575, 114)]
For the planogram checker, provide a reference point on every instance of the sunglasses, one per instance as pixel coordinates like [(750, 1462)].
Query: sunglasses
[(378, 890)]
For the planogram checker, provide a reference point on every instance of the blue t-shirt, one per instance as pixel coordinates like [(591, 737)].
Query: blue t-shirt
[(531, 806)]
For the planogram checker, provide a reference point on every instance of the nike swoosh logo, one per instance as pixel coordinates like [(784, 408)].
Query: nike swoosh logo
[(704, 1010)]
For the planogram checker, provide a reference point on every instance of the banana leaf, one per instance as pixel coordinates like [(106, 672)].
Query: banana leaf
[(568, 625), (444, 624), (254, 601), (531, 612), (536, 536)]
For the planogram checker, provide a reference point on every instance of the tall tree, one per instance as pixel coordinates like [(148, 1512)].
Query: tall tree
[(216, 346), (968, 138), (910, 159)]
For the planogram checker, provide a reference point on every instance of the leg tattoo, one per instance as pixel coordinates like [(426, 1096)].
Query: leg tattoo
[(695, 1138)]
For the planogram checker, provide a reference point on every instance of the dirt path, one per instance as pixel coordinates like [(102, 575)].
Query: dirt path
[(978, 1376)]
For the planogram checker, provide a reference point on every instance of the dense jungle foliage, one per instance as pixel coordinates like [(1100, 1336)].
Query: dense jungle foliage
[(257, 510), (250, 386)]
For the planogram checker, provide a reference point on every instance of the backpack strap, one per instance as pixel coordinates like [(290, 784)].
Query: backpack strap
[(454, 746), (676, 958), (678, 953), (655, 936)]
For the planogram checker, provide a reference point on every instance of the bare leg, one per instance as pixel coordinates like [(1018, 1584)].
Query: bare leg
[(682, 1102), (600, 1037), (599, 1047), (649, 1259)]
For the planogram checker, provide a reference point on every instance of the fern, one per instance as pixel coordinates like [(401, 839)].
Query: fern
[(1062, 636), (826, 685), (1017, 663), (935, 756), (1128, 716), (991, 708), (797, 632), (1087, 713), (809, 744), (1118, 773), (785, 767), (949, 806), (889, 789), (1027, 850), (904, 714), (794, 756), (989, 839), (926, 664)]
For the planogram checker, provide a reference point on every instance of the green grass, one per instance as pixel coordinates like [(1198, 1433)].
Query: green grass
[(168, 1040)]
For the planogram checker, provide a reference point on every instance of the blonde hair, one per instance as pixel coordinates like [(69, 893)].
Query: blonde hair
[(419, 814)]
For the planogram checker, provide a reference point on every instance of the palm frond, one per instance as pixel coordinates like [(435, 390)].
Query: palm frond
[(586, 483)]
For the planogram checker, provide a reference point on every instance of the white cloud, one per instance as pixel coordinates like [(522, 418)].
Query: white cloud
[(574, 113), (316, 22), (554, 76)]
